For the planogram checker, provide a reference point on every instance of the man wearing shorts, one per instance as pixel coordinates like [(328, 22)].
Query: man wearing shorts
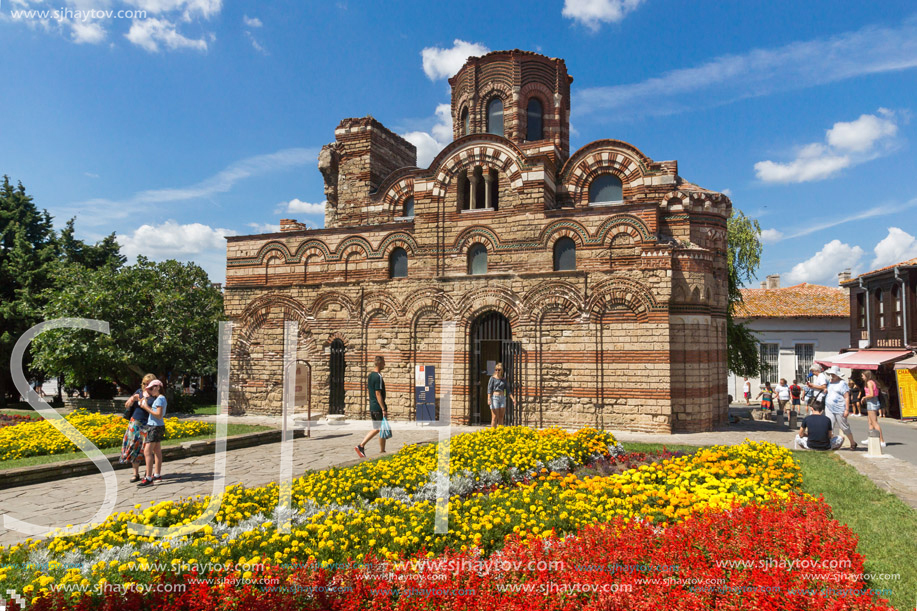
[(783, 395), (747, 390), (815, 433), (375, 384)]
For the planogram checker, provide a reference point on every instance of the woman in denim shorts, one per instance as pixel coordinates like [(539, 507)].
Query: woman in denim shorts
[(497, 396), (871, 390)]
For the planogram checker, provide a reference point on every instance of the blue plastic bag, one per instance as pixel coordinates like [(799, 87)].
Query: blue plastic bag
[(385, 431)]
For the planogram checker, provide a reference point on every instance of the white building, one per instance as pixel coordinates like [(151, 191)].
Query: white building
[(795, 325)]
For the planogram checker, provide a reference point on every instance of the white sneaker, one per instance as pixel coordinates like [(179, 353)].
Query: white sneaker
[(865, 442), (883, 444)]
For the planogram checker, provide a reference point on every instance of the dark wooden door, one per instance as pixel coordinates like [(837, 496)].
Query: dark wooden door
[(336, 382)]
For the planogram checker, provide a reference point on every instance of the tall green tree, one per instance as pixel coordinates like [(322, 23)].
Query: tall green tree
[(28, 250), (744, 254), (105, 253), (163, 318)]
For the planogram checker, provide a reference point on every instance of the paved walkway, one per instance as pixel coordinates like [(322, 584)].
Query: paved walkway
[(74, 500)]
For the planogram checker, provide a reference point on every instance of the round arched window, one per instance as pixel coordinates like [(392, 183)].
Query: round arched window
[(564, 254), (477, 259), (495, 117), (398, 263), (408, 208), (606, 188), (534, 114)]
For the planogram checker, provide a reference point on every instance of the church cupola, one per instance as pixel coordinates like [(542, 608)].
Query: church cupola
[(520, 95)]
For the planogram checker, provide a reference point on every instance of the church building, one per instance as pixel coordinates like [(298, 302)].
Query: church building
[(598, 278)]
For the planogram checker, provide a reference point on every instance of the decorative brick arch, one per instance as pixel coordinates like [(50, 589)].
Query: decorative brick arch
[(495, 88), (381, 301), (278, 249), (312, 246), (622, 223), (489, 298), (621, 292), (259, 310), (327, 298), (426, 300), (476, 235), (545, 95), (602, 157), (552, 295), (495, 152), (333, 336), (564, 228), (393, 240), (352, 244), (396, 195)]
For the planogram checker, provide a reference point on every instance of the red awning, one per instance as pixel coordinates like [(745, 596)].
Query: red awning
[(910, 363), (865, 359)]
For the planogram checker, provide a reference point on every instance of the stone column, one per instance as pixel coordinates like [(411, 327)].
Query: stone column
[(473, 180), (488, 183)]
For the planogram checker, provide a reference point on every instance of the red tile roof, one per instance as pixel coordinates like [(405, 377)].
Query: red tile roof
[(909, 262), (799, 301)]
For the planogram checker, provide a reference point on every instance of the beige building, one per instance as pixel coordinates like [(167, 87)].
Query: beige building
[(597, 277)]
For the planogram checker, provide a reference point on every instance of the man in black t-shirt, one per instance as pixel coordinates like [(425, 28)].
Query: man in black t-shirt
[(375, 386), (815, 432)]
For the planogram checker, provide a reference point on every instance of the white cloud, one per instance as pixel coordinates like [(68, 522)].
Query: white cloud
[(826, 264), (297, 205), (90, 175), (770, 236), (89, 21), (195, 242), (101, 211), (727, 192), (896, 247), (264, 227), (758, 72), (429, 144), (187, 9), (150, 33), (819, 224), (252, 22), (88, 32), (593, 13), (862, 135), (848, 143), (442, 63), (257, 46)]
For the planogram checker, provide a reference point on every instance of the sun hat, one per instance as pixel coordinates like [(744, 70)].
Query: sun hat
[(834, 371), (153, 383)]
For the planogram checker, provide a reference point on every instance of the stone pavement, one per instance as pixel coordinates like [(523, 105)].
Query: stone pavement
[(74, 500)]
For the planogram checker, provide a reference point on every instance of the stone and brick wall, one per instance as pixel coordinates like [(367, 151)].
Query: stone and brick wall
[(633, 338)]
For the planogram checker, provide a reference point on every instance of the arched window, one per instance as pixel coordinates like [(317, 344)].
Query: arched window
[(477, 259), (398, 263), (408, 208), (466, 122), (533, 120), (606, 188), (495, 117), (564, 254)]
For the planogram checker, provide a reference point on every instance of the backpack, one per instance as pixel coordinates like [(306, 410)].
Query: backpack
[(795, 391)]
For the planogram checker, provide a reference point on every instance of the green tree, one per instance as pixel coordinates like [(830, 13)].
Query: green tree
[(744, 254), (163, 317), (27, 253), (105, 253)]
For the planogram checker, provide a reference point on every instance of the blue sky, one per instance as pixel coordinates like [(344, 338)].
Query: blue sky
[(204, 118)]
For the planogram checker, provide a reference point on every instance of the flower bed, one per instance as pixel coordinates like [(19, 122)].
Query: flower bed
[(40, 437), (514, 492), (12, 419), (756, 557)]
